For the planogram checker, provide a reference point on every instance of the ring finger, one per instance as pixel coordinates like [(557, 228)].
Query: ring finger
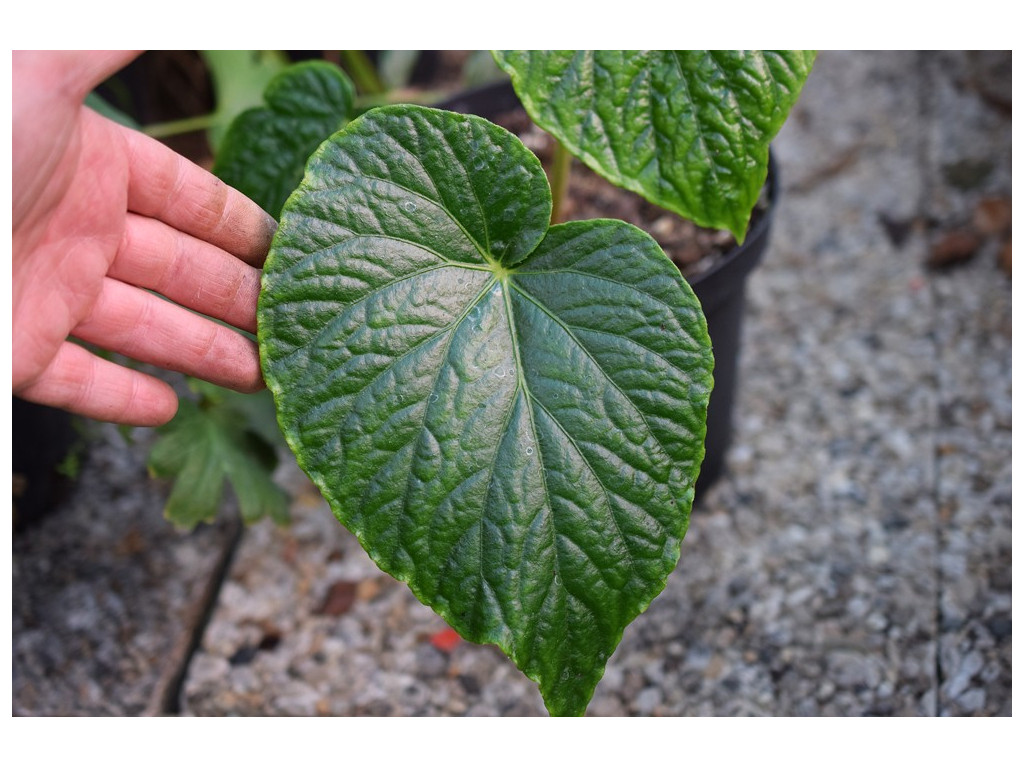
[(188, 271), (145, 327)]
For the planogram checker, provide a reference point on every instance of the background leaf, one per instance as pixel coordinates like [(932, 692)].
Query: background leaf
[(208, 445), (239, 79), (509, 417), (396, 67), (688, 130), (265, 150)]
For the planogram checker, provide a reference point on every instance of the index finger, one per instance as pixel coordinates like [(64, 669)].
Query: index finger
[(164, 185)]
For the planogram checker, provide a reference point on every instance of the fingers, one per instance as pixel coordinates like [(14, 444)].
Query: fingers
[(165, 186), (151, 330), (78, 381), (187, 270)]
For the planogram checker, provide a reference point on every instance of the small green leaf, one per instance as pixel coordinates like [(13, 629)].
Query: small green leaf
[(239, 78), (509, 417), (265, 150), (201, 448), (257, 409), (688, 130)]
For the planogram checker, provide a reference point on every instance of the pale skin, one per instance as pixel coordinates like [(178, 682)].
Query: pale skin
[(101, 213)]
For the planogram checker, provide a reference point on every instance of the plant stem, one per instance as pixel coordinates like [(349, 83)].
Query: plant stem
[(176, 127), (560, 165), (359, 66)]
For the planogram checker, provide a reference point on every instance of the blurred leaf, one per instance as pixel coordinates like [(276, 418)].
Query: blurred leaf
[(395, 67), (265, 150), (239, 78), (362, 71), (480, 69), (258, 409), (201, 448)]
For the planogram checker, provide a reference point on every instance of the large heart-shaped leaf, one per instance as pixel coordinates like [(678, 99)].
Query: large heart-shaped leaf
[(688, 130), (265, 150), (509, 417)]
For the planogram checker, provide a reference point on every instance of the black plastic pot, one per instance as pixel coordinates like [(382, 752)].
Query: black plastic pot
[(722, 290), (41, 438)]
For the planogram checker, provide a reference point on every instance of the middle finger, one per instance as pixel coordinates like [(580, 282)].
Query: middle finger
[(188, 271)]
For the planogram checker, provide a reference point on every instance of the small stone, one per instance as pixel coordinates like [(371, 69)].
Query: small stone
[(430, 661), (647, 700), (368, 589), (953, 248), (896, 229), (972, 701), (969, 667), (661, 226), (470, 685), (857, 607), (1001, 627), (1006, 258), (607, 706), (993, 216), (876, 622), (853, 670), (967, 173), (878, 555)]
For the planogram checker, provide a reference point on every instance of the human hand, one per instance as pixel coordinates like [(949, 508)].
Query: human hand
[(101, 213)]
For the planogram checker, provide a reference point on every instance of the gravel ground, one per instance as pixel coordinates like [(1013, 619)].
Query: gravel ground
[(107, 595), (855, 559)]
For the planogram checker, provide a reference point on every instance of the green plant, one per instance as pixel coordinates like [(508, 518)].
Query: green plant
[(265, 149), (509, 414), (509, 417), (222, 437), (688, 130)]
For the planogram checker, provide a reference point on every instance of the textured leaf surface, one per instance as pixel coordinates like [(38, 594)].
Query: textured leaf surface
[(265, 150), (509, 417), (688, 130), (207, 446)]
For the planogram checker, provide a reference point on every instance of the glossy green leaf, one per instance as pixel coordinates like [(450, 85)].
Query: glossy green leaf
[(509, 417), (265, 150), (209, 445), (688, 130)]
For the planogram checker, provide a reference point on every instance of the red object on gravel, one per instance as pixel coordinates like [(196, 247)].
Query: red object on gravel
[(446, 640)]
